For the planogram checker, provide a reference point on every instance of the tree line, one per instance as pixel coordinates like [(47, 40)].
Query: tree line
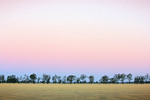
[(72, 79)]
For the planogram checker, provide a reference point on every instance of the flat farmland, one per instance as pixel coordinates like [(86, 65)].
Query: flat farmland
[(74, 91)]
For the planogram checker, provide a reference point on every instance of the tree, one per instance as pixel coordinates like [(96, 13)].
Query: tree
[(59, 79), (142, 78), (71, 78), (112, 80), (83, 78), (2, 78), (104, 79), (38, 80), (46, 78), (64, 79), (136, 79), (129, 77), (26, 79), (20, 79), (54, 78), (117, 77), (12, 79), (33, 77), (123, 77), (139, 79), (78, 80), (91, 79), (147, 77)]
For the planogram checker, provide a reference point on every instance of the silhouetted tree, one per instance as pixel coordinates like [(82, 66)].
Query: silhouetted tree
[(129, 77), (25, 79), (64, 79), (113, 80), (83, 78), (117, 77), (142, 78), (2, 78), (139, 79), (146, 77), (96, 82), (20, 79), (38, 79), (46, 78), (59, 79), (123, 77), (12, 79), (78, 80), (104, 79), (91, 79), (54, 78), (71, 78), (33, 77)]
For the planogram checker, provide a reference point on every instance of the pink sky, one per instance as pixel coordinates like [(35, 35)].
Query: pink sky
[(83, 35)]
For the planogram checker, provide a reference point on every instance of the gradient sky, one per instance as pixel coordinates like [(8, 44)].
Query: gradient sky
[(75, 36)]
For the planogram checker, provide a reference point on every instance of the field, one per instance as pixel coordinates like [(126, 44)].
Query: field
[(74, 91)]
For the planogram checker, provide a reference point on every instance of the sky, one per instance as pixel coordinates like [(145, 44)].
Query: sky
[(65, 37)]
